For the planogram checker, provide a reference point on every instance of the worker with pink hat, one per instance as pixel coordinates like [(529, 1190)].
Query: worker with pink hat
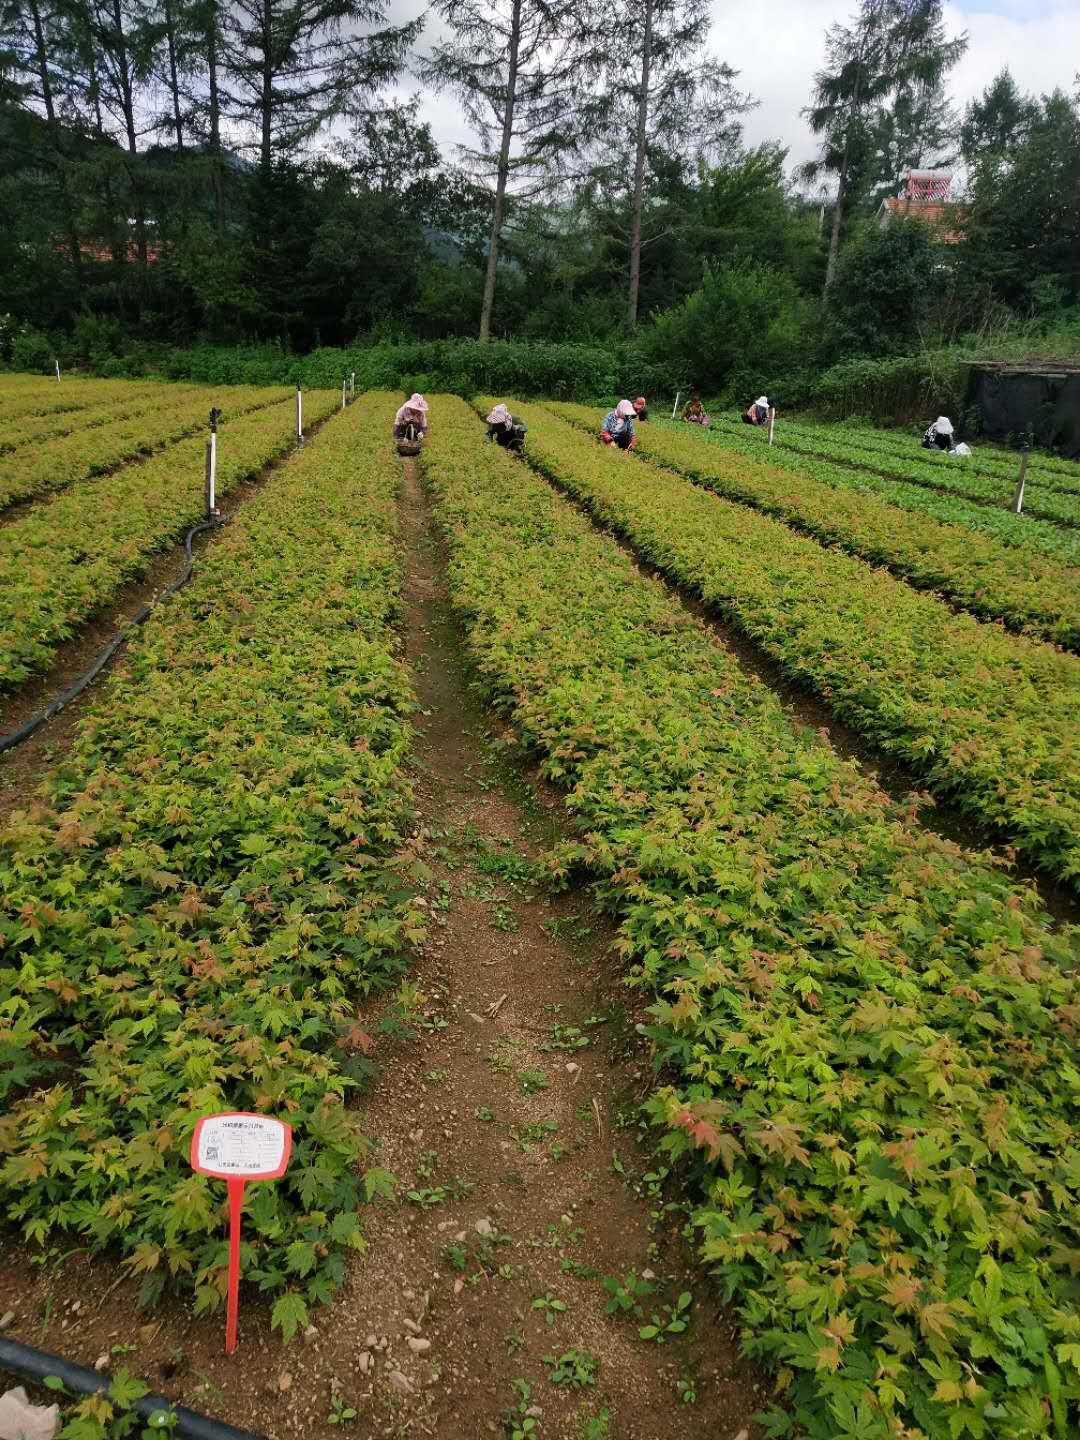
[(411, 421), (618, 426)]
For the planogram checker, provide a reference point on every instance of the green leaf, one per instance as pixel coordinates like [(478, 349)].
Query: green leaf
[(379, 1182), (126, 1388), (290, 1312), (301, 1257)]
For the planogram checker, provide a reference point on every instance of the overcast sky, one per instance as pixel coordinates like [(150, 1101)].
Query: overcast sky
[(776, 47)]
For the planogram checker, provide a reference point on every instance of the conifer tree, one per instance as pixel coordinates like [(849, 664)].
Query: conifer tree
[(510, 63)]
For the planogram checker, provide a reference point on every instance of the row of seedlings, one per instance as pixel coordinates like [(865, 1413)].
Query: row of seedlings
[(866, 1034)]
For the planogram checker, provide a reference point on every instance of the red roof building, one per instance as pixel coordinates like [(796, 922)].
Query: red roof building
[(102, 254), (925, 197)]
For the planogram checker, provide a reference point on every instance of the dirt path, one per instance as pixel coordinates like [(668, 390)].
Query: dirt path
[(506, 1118), (505, 1111)]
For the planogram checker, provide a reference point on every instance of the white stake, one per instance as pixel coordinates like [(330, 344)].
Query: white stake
[(352, 386), (211, 465), (772, 421), (57, 364), (675, 407), (343, 383), (299, 413), (1018, 493)]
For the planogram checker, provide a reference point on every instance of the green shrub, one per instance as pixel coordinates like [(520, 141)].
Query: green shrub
[(97, 339), (31, 350), (568, 371), (892, 390), (745, 327), (887, 286)]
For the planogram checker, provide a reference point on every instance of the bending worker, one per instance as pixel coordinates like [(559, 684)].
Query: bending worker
[(641, 410), (758, 412), (693, 412), (939, 436), (618, 427), (411, 421), (506, 430)]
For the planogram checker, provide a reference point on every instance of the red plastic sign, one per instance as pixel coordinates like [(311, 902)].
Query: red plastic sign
[(236, 1148)]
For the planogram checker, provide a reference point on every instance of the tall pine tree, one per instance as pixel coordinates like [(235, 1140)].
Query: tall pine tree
[(510, 63), (998, 122), (663, 104), (894, 52), (288, 67)]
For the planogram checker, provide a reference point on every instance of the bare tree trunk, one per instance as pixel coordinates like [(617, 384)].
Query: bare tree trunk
[(638, 200), (74, 248), (118, 240), (174, 83), (215, 120), (267, 104), (123, 71), (127, 101), (43, 64), (841, 182), (838, 213), (488, 303)]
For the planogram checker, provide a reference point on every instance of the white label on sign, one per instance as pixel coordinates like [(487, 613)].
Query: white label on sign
[(242, 1144)]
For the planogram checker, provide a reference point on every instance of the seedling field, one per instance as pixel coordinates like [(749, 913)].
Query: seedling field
[(652, 1069)]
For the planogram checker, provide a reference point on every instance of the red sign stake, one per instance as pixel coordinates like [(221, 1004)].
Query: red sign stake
[(232, 1308), (238, 1147)]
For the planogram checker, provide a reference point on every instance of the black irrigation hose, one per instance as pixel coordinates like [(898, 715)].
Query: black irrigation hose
[(30, 1364), (8, 742)]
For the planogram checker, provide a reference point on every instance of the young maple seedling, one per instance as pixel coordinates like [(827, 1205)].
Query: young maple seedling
[(627, 1293), (549, 1305), (528, 1136), (456, 1256), (575, 1368), (593, 1427), (686, 1391), (566, 1037), (502, 917), (577, 1269), (672, 1320), (340, 1412), (428, 1196), (520, 1423)]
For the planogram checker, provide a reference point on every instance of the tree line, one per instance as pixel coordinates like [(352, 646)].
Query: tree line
[(175, 170)]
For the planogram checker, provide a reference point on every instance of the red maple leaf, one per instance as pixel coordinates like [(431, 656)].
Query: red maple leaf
[(357, 1039), (703, 1134)]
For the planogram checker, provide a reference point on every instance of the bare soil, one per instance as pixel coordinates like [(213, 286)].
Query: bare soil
[(508, 1115)]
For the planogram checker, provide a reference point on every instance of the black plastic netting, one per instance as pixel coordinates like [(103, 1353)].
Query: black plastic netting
[(1010, 405)]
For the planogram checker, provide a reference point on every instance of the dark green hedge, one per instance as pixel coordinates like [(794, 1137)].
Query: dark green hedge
[(890, 391), (461, 367)]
